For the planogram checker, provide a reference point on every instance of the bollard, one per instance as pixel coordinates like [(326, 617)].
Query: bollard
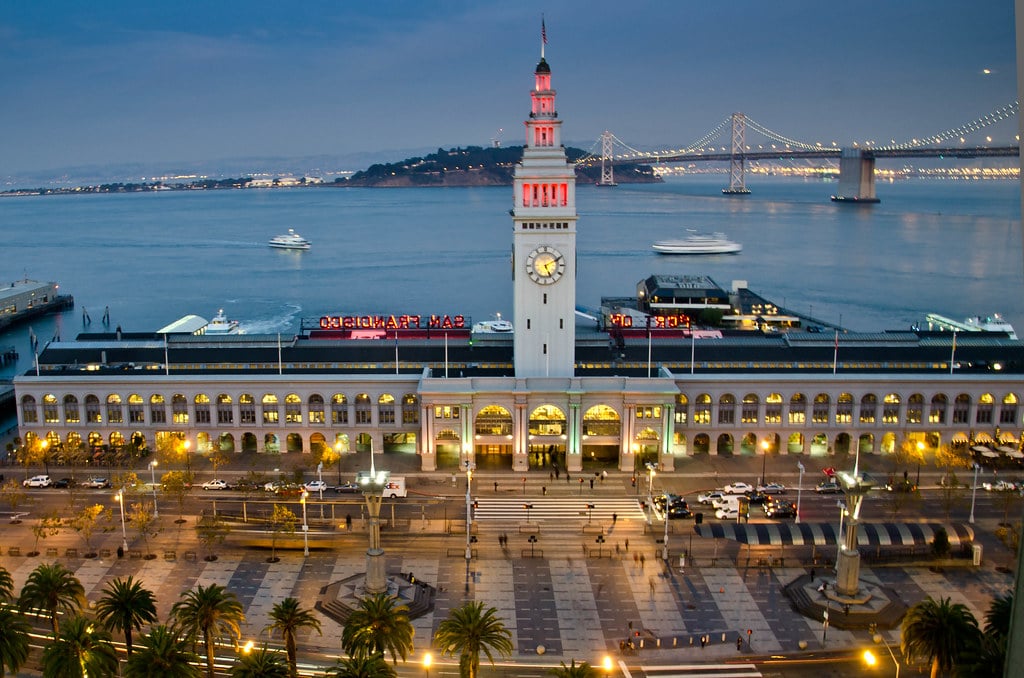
[(691, 640), (723, 637), (641, 643), (657, 642), (674, 641)]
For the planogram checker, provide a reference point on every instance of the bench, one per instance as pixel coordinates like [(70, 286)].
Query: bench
[(170, 555), (135, 554), (14, 551), (70, 553), (104, 553), (190, 555), (51, 551)]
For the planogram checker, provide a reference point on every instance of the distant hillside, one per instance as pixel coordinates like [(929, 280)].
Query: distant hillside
[(477, 166)]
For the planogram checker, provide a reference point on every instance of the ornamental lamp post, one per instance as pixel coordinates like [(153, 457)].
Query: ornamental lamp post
[(974, 492), (469, 511), (920, 456), (337, 448), (799, 488), (305, 526), (650, 491), (124, 534), (871, 660), (152, 479), (427, 659), (764, 460)]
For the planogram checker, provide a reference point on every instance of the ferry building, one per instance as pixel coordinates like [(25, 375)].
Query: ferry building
[(549, 390)]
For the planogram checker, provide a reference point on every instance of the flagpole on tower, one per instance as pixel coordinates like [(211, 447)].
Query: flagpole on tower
[(543, 36)]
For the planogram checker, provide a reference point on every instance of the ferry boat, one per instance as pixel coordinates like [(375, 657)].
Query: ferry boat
[(698, 243), (992, 323), (290, 241), (497, 326), (220, 325)]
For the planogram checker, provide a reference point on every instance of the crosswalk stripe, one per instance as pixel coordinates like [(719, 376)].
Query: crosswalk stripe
[(559, 508), (702, 671)]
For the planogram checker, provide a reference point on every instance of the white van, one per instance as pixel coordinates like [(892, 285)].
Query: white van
[(728, 513)]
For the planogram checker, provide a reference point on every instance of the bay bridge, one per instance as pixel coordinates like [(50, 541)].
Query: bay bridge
[(856, 163)]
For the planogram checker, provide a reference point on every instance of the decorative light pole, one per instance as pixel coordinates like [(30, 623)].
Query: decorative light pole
[(188, 459), (974, 492), (920, 456), (650, 491), (305, 526), (337, 448), (764, 460), (590, 512), (799, 487), (427, 659), (124, 533), (469, 511), (152, 482), (528, 507), (871, 660), (664, 549)]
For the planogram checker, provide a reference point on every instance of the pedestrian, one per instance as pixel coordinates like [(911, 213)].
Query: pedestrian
[(557, 473), (703, 641), (627, 546), (633, 481), (495, 485), (812, 575), (604, 474), (348, 521), (567, 478), (636, 559), (552, 476), (617, 550), (739, 643), (615, 517), (650, 584), (544, 490), (643, 561), (591, 483)]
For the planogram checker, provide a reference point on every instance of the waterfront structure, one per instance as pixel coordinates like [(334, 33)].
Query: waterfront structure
[(24, 299), (550, 392)]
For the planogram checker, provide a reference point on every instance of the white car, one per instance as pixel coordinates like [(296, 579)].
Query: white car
[(772, 488), (96, 483), (727, 513), (216, 484), (738, 488), (37, 481), (316, 486), (1000, 486), (710, 496)]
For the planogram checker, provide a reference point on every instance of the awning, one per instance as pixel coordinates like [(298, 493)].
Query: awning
[(1007, 437), (982, 437), (1006, 449), (985, 451), (960, 438), (824, 534), (1015, 454)]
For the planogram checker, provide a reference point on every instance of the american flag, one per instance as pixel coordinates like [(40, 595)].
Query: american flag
[(543, 32)]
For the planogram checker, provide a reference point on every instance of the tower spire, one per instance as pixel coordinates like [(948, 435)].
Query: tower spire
[(543, 36)]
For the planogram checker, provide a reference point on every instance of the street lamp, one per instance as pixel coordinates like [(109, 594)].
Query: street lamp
[(871, 660), (527, 507), (799, 487), (152, 482), (606, 664), (426, 664), (469, 512), (124, 534), (305, 526), (974, 492), (337, 448), (664, 550), (650, 491), (764, 460), (839, 540), (590, 512), (920, 456), (188, 460)]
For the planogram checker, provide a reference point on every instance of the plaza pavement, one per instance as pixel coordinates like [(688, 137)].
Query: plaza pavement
[(566, 603)]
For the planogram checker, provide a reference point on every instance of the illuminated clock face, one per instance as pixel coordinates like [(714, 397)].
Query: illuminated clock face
[(545, 265)]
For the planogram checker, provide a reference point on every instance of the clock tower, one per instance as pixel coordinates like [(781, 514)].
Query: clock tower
[(544, 242)]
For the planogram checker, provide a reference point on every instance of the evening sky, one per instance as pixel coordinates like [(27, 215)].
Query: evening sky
[(129, 82)]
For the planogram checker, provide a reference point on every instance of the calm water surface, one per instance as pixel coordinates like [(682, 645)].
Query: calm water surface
[(943, 246)]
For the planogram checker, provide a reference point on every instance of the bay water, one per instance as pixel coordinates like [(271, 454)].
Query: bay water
[(952, 247)]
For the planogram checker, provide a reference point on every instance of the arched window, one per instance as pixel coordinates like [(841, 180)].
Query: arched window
[(71, 413), (493, 420), (292, 409), (702, 409), (844, 408), (179, 409), (247, 408), (51, 413), (339, 409), (92, 409), (749, 411), (819, 412), (316, 409), (225, 413), (891, 409), (157, 409), (868, 406), (364, 409), (271, 413), (386, 408), (547, 420), (114, 412), (410, 409), (1008, 412), (915, 408), (202, 404), (773, 408), (727, 409), (798, 409), (937, 412), (682, 410), (601, 420), (29, 415), (985, 405), (961, 409)]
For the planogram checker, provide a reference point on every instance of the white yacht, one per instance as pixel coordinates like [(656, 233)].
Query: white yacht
[(698, 243), (497, 326), (290, 241), (221, 325)]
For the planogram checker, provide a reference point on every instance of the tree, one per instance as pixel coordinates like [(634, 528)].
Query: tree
[(362, 667), (47, 526), (15, 496), (940, 543), (574, 670), (14, 635), (162, 653), (939, 632), (209, 612), (87, 520), (289, 618), (83, 650), (379, 624), (282, 521), (997, 619), (126, 605), (261, 663), (141, 518), (6, 585), (470, 630), (52, 588), (176, 484), (211, 531)]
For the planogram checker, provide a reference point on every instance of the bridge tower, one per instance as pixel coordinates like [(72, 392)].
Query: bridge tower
[(856, 177), (607, 171), (737, 169)]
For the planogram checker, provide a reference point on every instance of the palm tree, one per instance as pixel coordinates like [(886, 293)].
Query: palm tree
[(378, 625), (126, 605), (470, 630), (209, 613), (365, 666), (6, 585), (289, 618), (14, 632), (162, 653), (52, 588), (940, 632), (84, 649), (574, 670), (997, 619), (261, 663)]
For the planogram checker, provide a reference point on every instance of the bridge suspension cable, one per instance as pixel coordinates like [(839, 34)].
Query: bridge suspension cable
[(975, 125), (775, 136)]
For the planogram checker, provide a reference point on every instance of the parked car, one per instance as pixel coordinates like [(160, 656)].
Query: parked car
[(96, 483), (999, 486), (738, 488), (316, 486), (772, 488), (216, 484), (37, 481), (64, 483), (780, 509), (828, 487), (348, 488), (709, 496)]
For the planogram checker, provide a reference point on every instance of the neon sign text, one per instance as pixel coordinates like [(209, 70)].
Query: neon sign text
[(392, 322)]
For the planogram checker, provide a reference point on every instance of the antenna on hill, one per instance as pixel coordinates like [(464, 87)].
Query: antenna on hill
[(496, 139)]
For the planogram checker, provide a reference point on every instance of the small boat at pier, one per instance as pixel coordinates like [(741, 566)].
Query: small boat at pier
[(290, 241), (220, 325)]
